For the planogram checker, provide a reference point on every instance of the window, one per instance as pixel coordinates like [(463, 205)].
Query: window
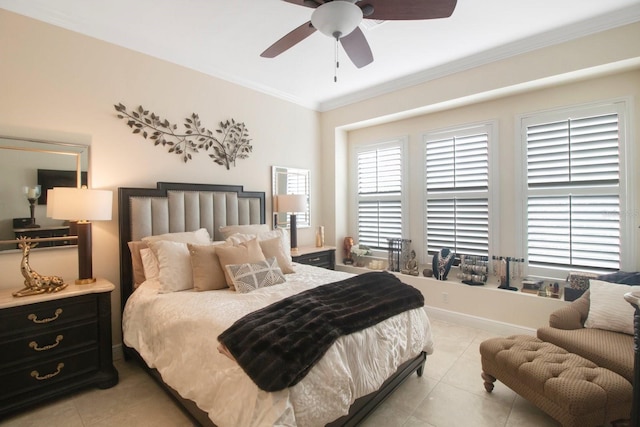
[(380, 191), (457, 190), (574, 189)]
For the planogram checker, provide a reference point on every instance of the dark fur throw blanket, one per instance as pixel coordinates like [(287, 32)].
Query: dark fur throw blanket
[(277, 345)]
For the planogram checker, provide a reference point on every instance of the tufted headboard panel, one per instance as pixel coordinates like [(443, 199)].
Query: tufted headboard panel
[(177, 207)]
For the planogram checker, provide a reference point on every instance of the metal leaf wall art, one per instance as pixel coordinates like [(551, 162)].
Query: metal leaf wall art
[(227, 144)]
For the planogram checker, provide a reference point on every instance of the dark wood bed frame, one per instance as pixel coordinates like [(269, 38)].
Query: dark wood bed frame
[(358, 410)]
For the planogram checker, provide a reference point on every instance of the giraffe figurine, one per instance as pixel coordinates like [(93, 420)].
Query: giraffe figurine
[(35, 283)]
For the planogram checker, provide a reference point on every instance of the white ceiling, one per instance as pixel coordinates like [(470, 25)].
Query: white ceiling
[(225, 39)]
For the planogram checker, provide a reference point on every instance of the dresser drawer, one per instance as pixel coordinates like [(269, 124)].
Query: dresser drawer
[(42, 374), (41, 317), (324, 259), (25, 349)]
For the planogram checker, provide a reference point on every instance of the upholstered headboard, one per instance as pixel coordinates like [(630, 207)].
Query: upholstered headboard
[(175, 207)]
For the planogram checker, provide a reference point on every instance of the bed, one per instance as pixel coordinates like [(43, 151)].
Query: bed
[(212, 393)]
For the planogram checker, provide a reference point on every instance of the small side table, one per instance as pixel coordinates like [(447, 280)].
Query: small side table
[(324, 257), (53, 344)]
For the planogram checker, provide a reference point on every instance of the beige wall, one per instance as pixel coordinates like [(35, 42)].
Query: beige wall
[(58, 85)]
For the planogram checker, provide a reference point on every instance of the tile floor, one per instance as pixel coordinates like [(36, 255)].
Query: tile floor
[(449, 394)]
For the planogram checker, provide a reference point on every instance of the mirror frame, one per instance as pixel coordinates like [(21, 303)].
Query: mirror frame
[(280, 184), (81, 152)]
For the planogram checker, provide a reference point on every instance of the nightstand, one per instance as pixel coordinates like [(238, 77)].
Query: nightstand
[(324, 257), (52, 344)]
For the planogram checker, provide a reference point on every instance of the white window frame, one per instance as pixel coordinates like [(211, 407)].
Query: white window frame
[(493, 192), (355, 149), (627, 199)]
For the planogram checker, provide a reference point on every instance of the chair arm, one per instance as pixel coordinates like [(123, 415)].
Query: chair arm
[(571, 316)]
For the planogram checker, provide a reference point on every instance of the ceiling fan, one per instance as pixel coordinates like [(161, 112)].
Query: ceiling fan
[(340, 19)]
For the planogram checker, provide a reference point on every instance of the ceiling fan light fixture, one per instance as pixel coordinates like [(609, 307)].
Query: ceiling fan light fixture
[(337, 18)]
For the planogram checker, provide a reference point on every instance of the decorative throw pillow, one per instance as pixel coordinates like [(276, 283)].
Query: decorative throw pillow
[(283, 235), (608, 309), (245, 252), (280, 233), (149, 264), (205, 265), (273, 248), (174, 265), (198, 237), (136, 261), (251, 276), (254, 229)]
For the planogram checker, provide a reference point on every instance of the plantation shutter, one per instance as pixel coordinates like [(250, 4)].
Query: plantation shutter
[(457, 192), (379, 195), (573, 180)]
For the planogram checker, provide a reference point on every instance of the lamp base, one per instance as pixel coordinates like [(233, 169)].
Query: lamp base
[(85, 281)]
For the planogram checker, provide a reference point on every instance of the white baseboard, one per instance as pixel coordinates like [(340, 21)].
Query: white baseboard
[(493, 326)]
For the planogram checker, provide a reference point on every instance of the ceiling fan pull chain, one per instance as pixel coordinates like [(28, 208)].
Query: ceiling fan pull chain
[(335, 74)]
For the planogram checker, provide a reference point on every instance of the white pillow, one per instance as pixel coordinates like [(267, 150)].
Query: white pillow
[(174, 265), (229, 230), (149, 264), (198, 237), (608, 309), (251, 276)]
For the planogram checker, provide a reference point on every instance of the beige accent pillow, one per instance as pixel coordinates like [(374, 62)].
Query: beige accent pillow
[(136, 261), (254, 229), (273, 248), (149, 263), (243, 253), (266, 235), (205, 266), (608, 309), (198, 237), (174, 265)]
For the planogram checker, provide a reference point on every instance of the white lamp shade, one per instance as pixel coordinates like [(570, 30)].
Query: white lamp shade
[(337, 18), (292, 203), (82, 204)]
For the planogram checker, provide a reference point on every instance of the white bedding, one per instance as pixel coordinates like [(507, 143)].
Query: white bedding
[(176, 333)]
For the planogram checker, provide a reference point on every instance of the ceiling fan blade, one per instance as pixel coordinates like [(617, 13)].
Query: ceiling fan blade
[(357, 48), (289, 40), (308, 3), (409, 9)]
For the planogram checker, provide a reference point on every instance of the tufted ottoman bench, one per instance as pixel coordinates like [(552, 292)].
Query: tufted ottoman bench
[(570, 388)]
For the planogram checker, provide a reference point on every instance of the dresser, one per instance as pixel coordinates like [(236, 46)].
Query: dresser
[(52, 344), (43, 232), (324, 257)]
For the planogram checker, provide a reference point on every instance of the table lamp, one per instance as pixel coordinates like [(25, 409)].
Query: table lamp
[(292, 203), (32, 194), (83, 205)]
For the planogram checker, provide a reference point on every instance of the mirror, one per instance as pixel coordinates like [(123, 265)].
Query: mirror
[(290, 181), (27, 163)]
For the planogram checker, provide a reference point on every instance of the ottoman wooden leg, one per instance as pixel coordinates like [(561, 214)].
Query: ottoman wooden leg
[(488, 381)]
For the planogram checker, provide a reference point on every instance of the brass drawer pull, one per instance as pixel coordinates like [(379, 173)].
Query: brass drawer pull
[(34, 345), (37, 376), (314, 259), (34, 318)]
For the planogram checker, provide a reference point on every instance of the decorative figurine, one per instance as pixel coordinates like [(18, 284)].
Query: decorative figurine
[(35, 283), (411, 266), (347, 245)]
